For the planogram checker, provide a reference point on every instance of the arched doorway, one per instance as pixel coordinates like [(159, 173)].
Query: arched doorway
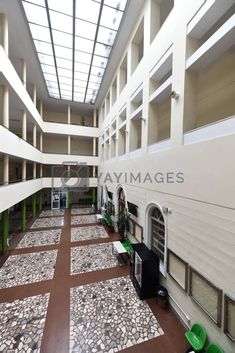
[(158, 235)]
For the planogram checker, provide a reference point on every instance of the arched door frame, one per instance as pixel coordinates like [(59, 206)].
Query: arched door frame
[(148, 232)]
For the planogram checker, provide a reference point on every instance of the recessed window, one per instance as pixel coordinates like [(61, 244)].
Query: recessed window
[(137, 47), (206, 295), (229, 317), (177, 269)]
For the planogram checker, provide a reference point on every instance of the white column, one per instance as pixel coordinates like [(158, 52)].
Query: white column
[(24, 170), (41, 170), (24, 72), (69, 114), (5, 106), (5, 34), (35, 135), (41, 141), (34, 170), (69, 144), (34, 95), (24, 125), (41, 108), (6, 169)]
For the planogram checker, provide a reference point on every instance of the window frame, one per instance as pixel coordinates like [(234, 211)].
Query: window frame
[(227, 299), (186, 265), (219, 296)]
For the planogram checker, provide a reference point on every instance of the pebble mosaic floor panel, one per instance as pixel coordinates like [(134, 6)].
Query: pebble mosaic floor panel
[(27, 268), (40, 238), (22, 323), (47, 213), (114, 317), (83, 219), (80, 210), (92, 258), (88, 233), (48, 222)]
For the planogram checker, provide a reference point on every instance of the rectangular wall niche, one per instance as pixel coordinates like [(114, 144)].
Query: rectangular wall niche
[(177, 269), (206, 295)]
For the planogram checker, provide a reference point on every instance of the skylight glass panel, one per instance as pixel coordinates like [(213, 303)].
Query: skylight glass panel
[(52, 84), (117, 4), (81, 57), (39, 32), (35, 14), (37, 2), (80, 76), (110, 18), (97, 71), (85, 29), (64, 6), (73, 41), (99, 61), (81, 67), (106, 36), (48, 69), (65, 72), (64, 63), (61, 22), (103, 50), (85, 45), (62, 39), (43, 47), (46, 59), (63, 53), (65, 80), (87, 10), (50, 77)]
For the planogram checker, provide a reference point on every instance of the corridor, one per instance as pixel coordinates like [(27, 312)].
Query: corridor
[(62, 289)]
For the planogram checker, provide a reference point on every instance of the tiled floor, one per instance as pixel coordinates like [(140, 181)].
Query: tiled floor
[(27, 268), (88, 233), (22, 323), (93, 307), (115, 317), (40, 238), (86, 219), (92, 258), (49, 222), (80, 210), (48, 213)]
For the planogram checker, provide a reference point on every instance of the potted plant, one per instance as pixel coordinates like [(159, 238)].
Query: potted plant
[(108, 216)]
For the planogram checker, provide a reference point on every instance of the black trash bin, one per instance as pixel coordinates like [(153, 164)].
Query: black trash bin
[(162, 297)]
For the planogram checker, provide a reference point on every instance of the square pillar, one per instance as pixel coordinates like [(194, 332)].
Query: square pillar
[(5, 231)]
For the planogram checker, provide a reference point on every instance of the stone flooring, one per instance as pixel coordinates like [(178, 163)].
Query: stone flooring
[(88, 233), (48, 222), (84, 210), (40, 238), (71, 298), (49, 213), (92, 258), (27, 268), (22, 322), (85, 219), (114, 317)]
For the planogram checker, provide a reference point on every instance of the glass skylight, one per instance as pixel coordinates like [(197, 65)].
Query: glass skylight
[(73, 40)]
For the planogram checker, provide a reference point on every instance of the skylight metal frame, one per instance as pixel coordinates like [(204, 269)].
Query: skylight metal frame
[(55, 57)]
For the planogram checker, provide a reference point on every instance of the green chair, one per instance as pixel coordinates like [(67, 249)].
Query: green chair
[(196, 337), (214, 348)]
